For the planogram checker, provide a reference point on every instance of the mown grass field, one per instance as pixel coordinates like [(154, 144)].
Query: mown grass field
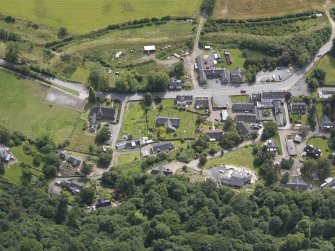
[(13, 174), (327, 63), (23, 108), (244, 9), (84, 15), (130, 163), (241, 157)]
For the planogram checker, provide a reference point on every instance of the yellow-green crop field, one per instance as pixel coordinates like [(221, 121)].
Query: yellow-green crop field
[(80, 16)]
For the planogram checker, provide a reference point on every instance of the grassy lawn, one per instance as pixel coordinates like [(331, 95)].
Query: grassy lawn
[(130, 163), (241, 157), (296, 116), (240, 99), (238, 9), (327, 63), (187, 119), (237, 58), (85, 15), (80, 139), (321, 143), (13, 174), (278, 142), (319, 111), (138, 123), (21, 156), (23, 108)]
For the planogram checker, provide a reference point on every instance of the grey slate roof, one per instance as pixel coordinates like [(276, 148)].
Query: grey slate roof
[(243, 127), (326, 123), (162, 121), (247, 117), (102, 113), (161, 147), (161, 170), (243, 108), (274, 95), (297, 183), (201, 103), (214, 134), (236, 77), (298, 107)]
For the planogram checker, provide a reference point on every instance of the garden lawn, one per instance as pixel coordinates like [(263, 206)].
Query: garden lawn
[(327, 63), (322, 143), (80, 16), (319, 111), (278, 143), (187, 120), (24, 109), (240, 99), (21, 156), (130, 163), (241, 157), (13, 174), (237, 58)]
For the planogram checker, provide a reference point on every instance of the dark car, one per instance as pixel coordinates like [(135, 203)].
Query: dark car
[(243, 91)]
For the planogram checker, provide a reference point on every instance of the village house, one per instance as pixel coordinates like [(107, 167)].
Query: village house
[(183, 100), (271, 145), (297, 183), (235, 178), (310, 150), (101, 203), (247, 117), (326, 123), (298, 107), (175, 84), (161, 170), (4, 154), (243, 108), (291, 147), (214, 135), (201, 103), (326, 93), (220, 102), (279, 112), (243, 128), (161, 147), (73, 186), (74, 161), (171, 124), (236, 77), (99, 113)]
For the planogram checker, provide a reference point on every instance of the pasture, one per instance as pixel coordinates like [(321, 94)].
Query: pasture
[(327, 63), (80, 16), (247, 9), (23, 108)]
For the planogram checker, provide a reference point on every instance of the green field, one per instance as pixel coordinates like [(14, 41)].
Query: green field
[(243, 9), (241, 157), (13, 174), (84, 15), (130, 163), (23, 108)]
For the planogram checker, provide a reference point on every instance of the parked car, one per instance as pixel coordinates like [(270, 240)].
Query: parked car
[(243, 91)]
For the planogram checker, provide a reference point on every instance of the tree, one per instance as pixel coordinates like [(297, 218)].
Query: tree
[(98, 79), (105, 159), (313, 83), (332, 51), (12, 53), (202, 160), (61, 210), (2, 168), (311, 119), (126, 83), (157, 81), (62, 32), (4, 136), (49, 171), (26, 175), (86, 196), (28, 244), (207, 7), (275, 225), (148, 98), (102, 136), (270, 130), (229, 124), (231, 139), (91, 95), (86, 169), (178, 70), (37, 160)]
